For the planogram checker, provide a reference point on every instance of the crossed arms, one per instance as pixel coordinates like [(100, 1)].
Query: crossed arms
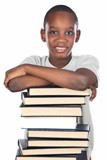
[(27, 75)]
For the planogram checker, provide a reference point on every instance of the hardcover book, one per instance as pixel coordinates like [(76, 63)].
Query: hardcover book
[(25, 150), (56, 90), (51, 110), (32, 100), (80, 131), (81, 156), (43, 142)]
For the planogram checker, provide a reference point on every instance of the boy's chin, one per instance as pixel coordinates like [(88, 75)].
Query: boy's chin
[(63, 55)]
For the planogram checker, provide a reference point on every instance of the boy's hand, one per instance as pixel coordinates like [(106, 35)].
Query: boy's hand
[(12, 73), (94, 92)]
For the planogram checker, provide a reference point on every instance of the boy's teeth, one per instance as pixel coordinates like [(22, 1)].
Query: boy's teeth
[(60, 49)]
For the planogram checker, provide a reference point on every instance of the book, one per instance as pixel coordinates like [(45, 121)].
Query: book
[(79, 131), (51, 110), (25, 150), (38, 100), (81, 156), (56, 90), (22, 157), (43, 142)]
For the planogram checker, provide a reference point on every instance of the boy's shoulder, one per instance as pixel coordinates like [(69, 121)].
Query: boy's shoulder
[(84, 56), (35, 59), (85, 59)]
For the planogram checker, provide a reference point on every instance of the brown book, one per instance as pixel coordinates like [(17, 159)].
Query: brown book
[(51, 110)]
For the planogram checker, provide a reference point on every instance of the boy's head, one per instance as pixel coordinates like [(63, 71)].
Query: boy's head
[(59, 8), (60, 32)]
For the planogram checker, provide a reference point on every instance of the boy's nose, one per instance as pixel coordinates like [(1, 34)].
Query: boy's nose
[(62, 38)]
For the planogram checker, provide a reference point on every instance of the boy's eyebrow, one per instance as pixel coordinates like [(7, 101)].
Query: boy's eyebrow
[(53, 27), (71, 28)]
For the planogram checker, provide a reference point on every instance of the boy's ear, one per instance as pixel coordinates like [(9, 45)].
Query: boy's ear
[(78, 33), (42, 32)]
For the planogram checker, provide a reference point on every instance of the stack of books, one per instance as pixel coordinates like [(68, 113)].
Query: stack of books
[(52, 101), (53, 143)]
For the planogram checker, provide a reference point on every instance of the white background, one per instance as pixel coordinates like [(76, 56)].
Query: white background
[(20, 24)]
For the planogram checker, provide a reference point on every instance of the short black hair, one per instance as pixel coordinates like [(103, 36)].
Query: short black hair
[(60, 8)]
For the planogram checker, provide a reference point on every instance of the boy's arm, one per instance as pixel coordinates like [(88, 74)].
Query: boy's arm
[(80, 79), (23, 82)]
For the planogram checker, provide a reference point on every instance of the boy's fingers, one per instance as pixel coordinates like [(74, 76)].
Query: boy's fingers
[(7, 78), (6, 81), (92, 97), (94, 92)]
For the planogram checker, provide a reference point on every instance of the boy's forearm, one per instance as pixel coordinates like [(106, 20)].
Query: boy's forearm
[(60, 77), (79, 80), (24, 82)]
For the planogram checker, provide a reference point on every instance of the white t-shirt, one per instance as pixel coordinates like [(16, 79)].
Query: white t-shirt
[(83, 61)]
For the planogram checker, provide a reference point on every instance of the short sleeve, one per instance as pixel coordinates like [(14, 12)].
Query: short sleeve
[(35, 60), (89, 62)]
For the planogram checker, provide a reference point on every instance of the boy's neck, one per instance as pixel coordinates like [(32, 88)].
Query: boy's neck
[(60, 63)]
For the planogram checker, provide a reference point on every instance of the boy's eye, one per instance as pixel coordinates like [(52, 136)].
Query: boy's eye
[(69, 33), (53, 32)]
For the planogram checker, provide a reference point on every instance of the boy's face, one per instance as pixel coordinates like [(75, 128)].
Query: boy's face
[(60, 34)]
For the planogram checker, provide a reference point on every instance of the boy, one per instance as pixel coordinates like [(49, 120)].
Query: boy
[(61, 68)]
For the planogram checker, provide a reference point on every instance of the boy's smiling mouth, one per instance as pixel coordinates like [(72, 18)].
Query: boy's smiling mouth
[(61, 49)]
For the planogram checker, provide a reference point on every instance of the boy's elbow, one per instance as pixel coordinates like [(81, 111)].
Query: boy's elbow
[(79, 84), (83, 83), (13, 86)]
